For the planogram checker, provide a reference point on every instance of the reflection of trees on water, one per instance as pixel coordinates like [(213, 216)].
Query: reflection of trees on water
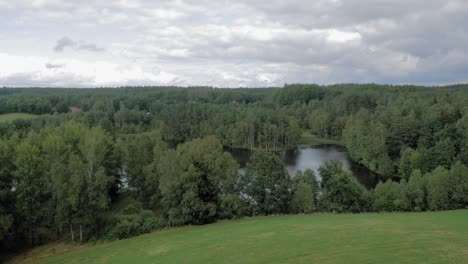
[(305, 157)]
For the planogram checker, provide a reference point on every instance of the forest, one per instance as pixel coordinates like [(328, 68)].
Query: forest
[(111, 163)]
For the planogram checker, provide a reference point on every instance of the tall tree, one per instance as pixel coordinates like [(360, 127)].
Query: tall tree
[(437, 186), (416, 191), (305, 192), (204, 172), (89, 184), (266, 184), (7, 220), (141, 159), (31, 188), (340, 193)]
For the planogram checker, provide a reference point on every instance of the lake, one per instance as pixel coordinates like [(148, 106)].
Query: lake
[(312, 157)]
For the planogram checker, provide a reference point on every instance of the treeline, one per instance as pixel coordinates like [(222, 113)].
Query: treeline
[(82, 183), (246, 127), (385, 126), (50, 100), (131, 160), (382, 126)]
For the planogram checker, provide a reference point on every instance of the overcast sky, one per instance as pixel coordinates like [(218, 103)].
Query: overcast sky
[(232, 43)]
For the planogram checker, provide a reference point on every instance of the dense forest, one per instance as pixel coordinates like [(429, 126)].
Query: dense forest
[(103, 164)]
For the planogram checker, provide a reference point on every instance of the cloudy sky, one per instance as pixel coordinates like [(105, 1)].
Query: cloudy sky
[(232, 43)]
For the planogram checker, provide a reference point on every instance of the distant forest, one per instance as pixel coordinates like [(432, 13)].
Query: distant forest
[(111, 163)]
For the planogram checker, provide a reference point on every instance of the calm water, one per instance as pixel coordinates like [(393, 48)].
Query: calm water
[(306, 157)]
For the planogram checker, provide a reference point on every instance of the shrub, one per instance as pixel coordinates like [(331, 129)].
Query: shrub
[(132, 222)]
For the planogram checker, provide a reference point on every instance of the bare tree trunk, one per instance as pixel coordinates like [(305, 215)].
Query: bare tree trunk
[(72, 234), (81, 234)]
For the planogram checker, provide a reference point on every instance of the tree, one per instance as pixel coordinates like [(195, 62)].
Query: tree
[(62, 107), (407, 163), (232, 206), (340, 193), (390, 196), (204, 172), (56, 155), (441, 154), (437, 186), (328, 170), (320, 122), (305, 192), (404, 166), (458, 183), (266, 185), (7, 221), (416, 191), (366, 141), (462, 127), (88, 192), (31, 187), (141, 158)]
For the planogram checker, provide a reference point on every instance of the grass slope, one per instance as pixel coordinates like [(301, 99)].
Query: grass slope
[(434, 237), (14, 116)]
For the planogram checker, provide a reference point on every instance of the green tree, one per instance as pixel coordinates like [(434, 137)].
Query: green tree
[(390, 196), (416, 191), (62, 107), (442, 154), (458, 183), (55, 155), (437, 186), (88, 192), (7, 220), (462, 128), (232, 206), (340, 193), (328, 170), (266, 184), (31, 188), (203, 174), (319, 123), (305, 192), (141, 158)]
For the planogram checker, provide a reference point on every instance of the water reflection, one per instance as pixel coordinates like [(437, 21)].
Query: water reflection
[(307, 157)]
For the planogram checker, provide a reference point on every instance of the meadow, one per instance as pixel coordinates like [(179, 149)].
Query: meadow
[(13, 116), (429, 237)]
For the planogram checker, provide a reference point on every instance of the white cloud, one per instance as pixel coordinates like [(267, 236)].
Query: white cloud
[(235, 43), (41, 70), (342, 37)]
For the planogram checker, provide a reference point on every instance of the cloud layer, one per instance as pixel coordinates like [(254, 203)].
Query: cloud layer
[(65, 42), (234, 43)]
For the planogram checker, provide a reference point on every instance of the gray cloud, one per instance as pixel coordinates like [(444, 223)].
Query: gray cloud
[(265, 42), (53, 66), (89, 47), (65, 42)]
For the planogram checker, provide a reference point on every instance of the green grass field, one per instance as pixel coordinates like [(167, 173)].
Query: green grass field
[(310, 139), (434, 237), (14, 116)]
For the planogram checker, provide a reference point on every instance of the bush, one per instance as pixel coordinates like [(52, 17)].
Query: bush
[(132, 222), (232, 207)]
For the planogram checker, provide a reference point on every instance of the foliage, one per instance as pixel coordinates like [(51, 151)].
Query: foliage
[(305, 192), (133, 221), (391, 196), (62, 171), (265, 186), (203, 178)]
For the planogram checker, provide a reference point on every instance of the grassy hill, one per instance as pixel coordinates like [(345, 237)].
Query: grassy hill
[(13, 116), (433, 237)]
